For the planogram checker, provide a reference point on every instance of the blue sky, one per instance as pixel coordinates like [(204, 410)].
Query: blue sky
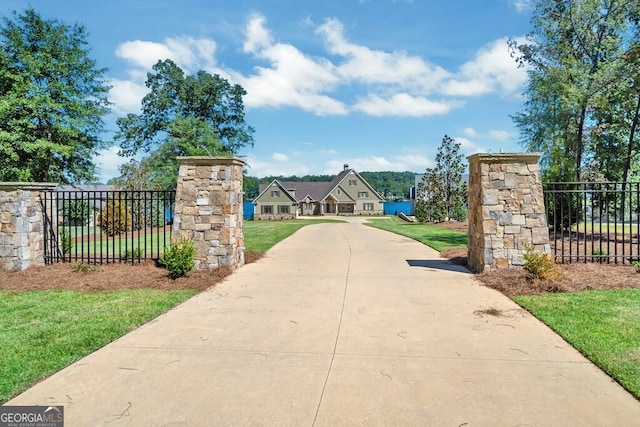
[(372, 83)]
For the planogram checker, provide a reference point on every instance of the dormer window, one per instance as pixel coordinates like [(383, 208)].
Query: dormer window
[(275, 193)]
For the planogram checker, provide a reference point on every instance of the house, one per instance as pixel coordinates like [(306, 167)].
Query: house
[(347, 194)]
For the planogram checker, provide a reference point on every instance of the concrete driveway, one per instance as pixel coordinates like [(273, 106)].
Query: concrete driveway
[(341, 324)]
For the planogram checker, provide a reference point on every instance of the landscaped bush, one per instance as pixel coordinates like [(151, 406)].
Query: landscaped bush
[(540, 265), (76, 212), (178, 258), (115, 218)]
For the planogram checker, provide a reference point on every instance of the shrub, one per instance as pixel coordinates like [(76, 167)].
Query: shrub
[(115, 218), (65, 241), (540, 265), (178, 258), (132, 254), (85, 268), (636, 265), (76, 211)]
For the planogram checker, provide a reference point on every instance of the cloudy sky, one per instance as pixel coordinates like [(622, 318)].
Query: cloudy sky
[(372, 83)]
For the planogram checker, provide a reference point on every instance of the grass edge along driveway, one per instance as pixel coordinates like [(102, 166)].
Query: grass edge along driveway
[(38, 329)]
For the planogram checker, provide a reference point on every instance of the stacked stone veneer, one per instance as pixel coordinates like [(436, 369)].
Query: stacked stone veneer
[(21, 225), (506, 210), (209, 209)]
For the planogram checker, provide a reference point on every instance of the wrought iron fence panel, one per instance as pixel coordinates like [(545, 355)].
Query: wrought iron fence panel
[(107, 226), (593, 221)]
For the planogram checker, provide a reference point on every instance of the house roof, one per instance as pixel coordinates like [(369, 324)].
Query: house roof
[(317, 191)]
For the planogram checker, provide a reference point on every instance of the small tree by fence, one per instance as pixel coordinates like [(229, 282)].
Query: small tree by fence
[(442, 192)]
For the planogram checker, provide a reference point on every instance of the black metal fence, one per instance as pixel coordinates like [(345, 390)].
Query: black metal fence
[(593, 221), (106, 226)]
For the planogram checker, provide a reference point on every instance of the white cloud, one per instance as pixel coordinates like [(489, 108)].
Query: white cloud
[(126, 95), (470, 132), (188, 52), (492, 69), (396, 83), (364, 65), (292, 78), (108, 162), (259, 168), (469, 147), (402, 104), (378, 164), (500, 135), (279, 157), (522, 5)]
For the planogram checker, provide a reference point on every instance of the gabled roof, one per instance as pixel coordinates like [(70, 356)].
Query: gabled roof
[(317, 191), (263, 188)]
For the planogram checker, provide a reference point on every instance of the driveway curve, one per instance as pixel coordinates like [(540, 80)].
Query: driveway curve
[(340, 324)]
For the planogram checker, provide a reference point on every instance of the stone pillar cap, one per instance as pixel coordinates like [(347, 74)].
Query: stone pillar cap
[(210, 160), (12, 186), (505, 157)]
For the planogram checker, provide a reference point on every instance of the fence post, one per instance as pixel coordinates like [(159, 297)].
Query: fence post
[(506, 210), (209, 209), (22, 224)]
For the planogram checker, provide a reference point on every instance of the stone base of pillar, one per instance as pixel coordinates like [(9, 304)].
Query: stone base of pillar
[(506, 210), (209, 209)]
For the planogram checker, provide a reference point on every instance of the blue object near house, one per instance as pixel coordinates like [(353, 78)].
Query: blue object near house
[(247, 210), (394, 208), (168, 215)]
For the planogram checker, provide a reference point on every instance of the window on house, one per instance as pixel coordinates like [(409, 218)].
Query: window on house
[(283, 209), (339, 192), (275, 193), (368, 206), (353, 182), (363, 194), (266, 209)]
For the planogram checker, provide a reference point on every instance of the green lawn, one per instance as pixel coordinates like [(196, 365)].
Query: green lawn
[(602, 325), (439, 238), (260, 236), (597, 227), (152, 242), (42, 332), (39, 331)]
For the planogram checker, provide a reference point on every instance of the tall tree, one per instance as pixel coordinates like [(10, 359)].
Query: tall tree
[(442, 193), (52, 100), (199, 114), (575, 56)]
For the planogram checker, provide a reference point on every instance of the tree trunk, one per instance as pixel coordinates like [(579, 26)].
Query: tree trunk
[(632, 133), (580, 142)]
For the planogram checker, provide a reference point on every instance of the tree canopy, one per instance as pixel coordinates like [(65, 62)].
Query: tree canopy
[(583, 94), (184, 115), (52, 100)]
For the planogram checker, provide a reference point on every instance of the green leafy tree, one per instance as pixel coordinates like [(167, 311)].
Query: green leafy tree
[(184, 115), (442, 193), (578, 65), (52, 100)]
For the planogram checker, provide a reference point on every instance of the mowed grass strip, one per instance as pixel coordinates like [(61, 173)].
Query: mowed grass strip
[(260, 236), (42, 332), (602, 325), (439, 238)]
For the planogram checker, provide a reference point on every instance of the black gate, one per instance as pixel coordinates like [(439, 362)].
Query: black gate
[(106, 226), (593, 221)]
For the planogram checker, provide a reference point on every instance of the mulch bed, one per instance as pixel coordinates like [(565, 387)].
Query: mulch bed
[(146, 275)]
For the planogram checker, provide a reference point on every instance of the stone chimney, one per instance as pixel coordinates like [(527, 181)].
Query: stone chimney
[(346, 166)]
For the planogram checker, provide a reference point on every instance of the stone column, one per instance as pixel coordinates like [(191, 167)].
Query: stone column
[(209, 209), (506, 210), (21, 224)]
